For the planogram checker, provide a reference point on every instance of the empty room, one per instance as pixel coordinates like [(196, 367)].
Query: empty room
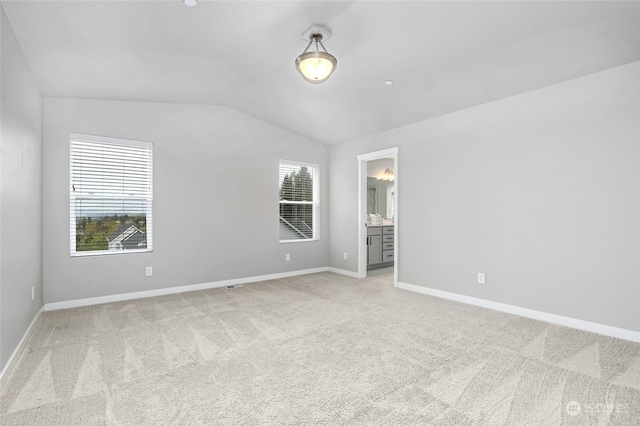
[(319, 212)]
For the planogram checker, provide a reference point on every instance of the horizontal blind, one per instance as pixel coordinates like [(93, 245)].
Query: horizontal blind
[(111, 195), (299, 201)]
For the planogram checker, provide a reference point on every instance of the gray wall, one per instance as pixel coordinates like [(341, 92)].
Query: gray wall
[(376, 167), (539, 191), (215, 197), (20, 194)]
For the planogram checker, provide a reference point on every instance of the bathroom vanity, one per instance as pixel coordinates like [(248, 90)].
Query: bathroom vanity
[(380, 246)]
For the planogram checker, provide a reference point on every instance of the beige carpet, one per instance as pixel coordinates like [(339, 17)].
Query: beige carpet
[(316, 349)]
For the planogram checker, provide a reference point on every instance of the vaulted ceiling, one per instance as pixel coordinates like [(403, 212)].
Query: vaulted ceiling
[(442, 56)]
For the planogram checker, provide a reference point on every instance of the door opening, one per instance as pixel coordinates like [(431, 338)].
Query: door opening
[(378, 213)]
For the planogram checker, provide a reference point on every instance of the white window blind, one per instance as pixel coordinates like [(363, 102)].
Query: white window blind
[(111, 195), (299, 201)]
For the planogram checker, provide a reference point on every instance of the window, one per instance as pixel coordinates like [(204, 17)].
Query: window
[(110, 195), (298, 184)]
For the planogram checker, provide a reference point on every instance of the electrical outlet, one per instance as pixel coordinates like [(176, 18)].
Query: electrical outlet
[(33, 293), (287, 257), (149, 271), (480, 277), (345, 256)]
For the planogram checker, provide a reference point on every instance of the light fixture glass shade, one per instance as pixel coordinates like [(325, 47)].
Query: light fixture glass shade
[(316, 66)]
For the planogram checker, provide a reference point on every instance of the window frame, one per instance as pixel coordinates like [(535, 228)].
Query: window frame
[(315, 203), (148, 209)]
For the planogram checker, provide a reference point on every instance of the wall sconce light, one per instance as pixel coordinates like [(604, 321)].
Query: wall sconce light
[(316, 66), (387, 176)]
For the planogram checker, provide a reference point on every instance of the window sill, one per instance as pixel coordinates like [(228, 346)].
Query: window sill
[(299, 241), (108, 252)]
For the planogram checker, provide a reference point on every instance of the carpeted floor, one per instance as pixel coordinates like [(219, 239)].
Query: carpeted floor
[(316, 349)]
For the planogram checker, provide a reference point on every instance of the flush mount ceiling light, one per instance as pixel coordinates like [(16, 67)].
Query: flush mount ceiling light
[(316, 66), (190, 2)]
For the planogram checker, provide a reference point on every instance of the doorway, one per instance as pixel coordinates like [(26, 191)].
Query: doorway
[(378, 213)]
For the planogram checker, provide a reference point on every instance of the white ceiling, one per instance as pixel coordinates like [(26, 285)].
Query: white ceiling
[(442, 56)]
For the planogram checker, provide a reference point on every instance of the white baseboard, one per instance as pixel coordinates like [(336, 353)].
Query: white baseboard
[(344, 272), (54, 306), (4, 375), (620, 333)]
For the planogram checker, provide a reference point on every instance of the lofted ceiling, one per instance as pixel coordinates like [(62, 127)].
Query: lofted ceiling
[(442, 56)]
